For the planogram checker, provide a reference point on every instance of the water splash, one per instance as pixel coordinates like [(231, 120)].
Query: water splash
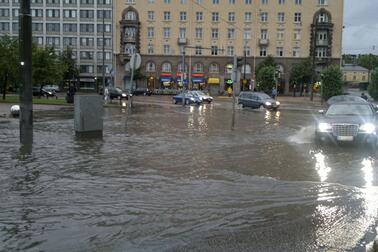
[(304, 136)]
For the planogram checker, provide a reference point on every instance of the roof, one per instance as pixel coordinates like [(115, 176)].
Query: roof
[(354, 68)]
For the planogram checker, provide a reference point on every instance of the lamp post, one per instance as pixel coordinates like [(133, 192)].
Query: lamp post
[(182, 75), (103, 49)]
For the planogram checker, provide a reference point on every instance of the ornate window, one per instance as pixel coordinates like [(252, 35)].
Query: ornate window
[(214, 68), (246, 68), (150, 67), (198, 68), (166, 67), (130, 15)]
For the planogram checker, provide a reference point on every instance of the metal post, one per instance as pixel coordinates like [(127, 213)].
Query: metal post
[(130, 101), (103, 51), (244, 68), (182, 75), (313, 62), (26, 102)]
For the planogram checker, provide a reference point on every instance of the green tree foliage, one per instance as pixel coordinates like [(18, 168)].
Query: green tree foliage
[(47, 67), (9, 64), (68, 64), (369, 61), (302, 73), (269, 61), (265, 79), (373, 86), (332, 83)]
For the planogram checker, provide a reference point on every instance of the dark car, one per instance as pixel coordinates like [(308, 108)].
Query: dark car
[(257, 100), (117, 93), (142, 91), (347, 122), (344, 98), (190, 98), (37, 91)]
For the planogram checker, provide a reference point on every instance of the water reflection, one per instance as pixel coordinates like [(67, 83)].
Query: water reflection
[(321, 166), (272, 117), (370, 192)]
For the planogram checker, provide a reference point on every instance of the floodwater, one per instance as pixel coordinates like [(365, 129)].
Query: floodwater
[(168, 178)]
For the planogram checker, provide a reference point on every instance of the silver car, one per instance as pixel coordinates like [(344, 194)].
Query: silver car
[(204, 97)]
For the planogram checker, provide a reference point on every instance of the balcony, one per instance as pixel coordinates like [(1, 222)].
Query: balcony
[(264, 42), (182, 41), (322, 43), (129, 39)]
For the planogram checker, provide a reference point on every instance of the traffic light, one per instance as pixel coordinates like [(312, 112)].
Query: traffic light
[(239, 61)]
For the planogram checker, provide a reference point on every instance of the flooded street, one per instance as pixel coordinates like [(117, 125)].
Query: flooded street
[(168, 178)]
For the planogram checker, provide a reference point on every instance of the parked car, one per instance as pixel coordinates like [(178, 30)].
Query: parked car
[(190, 98), (37, 91), (52, 88), (204, 97), (142, 91), (257, 100), (347, 122)]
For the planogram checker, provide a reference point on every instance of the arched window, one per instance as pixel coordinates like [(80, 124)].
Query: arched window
[(214, 68), (150, 67), (130, 15), (179, 68), (166, 67), (323, 18), (246, 69), (198, 68)]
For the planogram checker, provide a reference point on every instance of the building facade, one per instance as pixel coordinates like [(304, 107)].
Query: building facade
[(355, 76), (79, 24), (211, 32)]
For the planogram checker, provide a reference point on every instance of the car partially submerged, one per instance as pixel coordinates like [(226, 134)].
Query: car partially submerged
[(204, 97), (344, 98), (347, 122), (257, 100)]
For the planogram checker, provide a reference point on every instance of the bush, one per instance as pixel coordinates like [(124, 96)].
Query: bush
[(373, 85), (265, 79), (332, 83)]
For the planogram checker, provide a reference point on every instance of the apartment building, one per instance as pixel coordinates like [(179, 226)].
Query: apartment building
[(212, 31), (79, 24)]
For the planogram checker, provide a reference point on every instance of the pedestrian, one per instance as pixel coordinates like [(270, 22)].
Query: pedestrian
[(364, 96), (106, 95), (294, 89), (274, 93)]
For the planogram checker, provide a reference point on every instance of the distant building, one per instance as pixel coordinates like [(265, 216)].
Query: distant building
[(74, 23), (355, 76), (212, 31)]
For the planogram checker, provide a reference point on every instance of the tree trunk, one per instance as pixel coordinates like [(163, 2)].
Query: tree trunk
[(5, 86)]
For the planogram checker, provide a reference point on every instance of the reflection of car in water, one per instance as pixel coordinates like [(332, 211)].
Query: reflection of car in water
[(204, 97), (257, 100), (190, 98), (347, 122)]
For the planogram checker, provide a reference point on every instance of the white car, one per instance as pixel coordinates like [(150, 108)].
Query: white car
[(204, 97)]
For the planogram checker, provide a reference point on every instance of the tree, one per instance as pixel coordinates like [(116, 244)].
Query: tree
[(302, 73), (68, 63), (47, 67), (269, 61), (265, 79), (373, 86), (349, 59), (9, 63), (332, 83), (369, 61)]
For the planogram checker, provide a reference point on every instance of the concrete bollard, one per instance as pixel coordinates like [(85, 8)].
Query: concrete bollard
[(88, 115)]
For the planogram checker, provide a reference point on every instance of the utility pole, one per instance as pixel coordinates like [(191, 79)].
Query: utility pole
[(313, 61), (26, 102), (103, 51), (182, 75), (244, 68)]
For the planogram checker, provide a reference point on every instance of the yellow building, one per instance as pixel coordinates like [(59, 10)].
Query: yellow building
[(212, 31), (355, 75)]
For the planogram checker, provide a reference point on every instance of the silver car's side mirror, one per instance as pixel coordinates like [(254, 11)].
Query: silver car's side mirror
[(321, 111)]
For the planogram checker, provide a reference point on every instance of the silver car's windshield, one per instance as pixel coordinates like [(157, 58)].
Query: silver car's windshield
[(349, 110), (264, 96)]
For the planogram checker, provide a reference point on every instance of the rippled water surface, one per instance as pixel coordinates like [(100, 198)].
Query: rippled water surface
[(185, 179)]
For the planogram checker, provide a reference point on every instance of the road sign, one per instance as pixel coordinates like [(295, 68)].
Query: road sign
[(135, 61)]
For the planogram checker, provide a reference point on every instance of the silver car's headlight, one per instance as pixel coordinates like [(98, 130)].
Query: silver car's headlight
[(268, 103), (278, 103), (192, 99), (324, 127), (124, 95), (367, 128)]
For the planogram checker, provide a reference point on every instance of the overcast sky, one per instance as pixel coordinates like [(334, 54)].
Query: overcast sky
[(361, 26)]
